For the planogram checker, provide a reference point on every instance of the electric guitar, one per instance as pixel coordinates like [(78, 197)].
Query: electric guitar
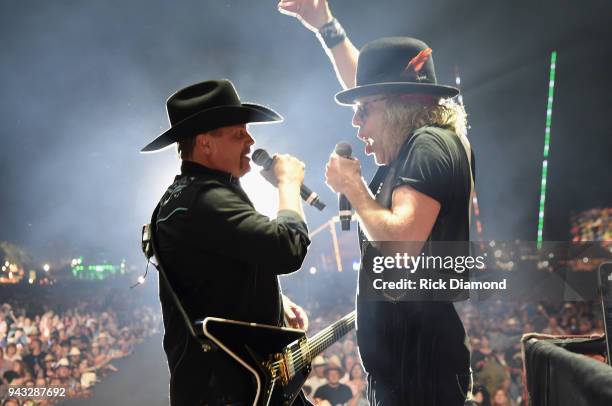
[(278, 358)]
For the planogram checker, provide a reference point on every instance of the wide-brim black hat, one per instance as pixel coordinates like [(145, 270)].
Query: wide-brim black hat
[(396, 65), (207, 106)]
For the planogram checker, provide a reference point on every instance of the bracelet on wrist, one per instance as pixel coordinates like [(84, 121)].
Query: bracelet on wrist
[(331, 33)]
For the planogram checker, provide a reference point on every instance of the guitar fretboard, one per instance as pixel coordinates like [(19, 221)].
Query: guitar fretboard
[(329, 335)]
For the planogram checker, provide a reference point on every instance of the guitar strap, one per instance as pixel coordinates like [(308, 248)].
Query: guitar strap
[(149, 247), (472, 164)]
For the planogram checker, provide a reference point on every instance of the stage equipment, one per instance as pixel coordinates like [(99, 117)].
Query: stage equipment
[(604, 277), (559, 372)]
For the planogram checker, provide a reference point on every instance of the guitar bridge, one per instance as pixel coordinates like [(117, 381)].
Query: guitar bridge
[(281, 370), (294, 359)]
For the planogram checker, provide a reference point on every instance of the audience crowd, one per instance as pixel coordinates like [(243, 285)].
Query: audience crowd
[(51, 339), (494, 327), (72, 341), (592, 225)]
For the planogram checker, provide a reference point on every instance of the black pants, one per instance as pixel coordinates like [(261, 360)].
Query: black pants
[(451, 391)]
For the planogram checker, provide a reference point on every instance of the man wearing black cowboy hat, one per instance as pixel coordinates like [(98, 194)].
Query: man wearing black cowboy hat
[(220, 255), (415, 352)]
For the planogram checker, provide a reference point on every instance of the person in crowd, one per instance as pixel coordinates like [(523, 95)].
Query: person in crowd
[(335, 392), (317, 377), (347, 363), (4, 363), (74, 356), (21, 370), (11, 353), (500, 398), (35, 358), (584, 326), (481, 396), (356, 378)]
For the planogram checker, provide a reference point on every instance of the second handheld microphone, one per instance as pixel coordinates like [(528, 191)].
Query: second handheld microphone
[(344, 150)]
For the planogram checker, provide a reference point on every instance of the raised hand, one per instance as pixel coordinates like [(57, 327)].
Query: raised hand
[(312, 13)]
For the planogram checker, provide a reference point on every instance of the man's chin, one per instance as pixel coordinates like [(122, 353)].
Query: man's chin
[(245, 167)]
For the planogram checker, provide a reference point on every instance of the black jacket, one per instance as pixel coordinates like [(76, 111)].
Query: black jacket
[(222, 258)]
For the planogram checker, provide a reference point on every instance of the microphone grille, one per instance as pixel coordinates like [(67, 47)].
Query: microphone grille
[(344, 149), (260, 156)]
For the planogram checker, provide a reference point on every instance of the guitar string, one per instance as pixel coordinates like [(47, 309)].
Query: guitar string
[(340, 330), (322, 339), (324, 336), (301, 361), (297, 354)]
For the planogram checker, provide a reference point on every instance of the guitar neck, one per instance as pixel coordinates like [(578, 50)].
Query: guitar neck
[(329, 335)]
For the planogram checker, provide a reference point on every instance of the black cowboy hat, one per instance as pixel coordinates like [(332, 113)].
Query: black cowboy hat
[(396, 65), (207, 106)]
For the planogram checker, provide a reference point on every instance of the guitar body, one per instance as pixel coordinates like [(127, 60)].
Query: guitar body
[(257, 348)]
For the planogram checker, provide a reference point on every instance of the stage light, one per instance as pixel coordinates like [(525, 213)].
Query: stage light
[(585, 260), (549, 106), (46, 267), (356, 265), (498, 253), (492, 244), (261, 193), (141, 279), (6, 263), (313, 270)]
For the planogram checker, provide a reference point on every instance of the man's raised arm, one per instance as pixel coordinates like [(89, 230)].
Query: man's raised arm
[(317, 17)]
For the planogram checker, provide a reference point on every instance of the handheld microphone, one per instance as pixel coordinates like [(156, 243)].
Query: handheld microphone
[(344, 150), (262, 158)]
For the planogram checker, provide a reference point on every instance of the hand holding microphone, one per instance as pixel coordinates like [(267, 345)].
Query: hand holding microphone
[(285, 168), (344, 150), (281, 169)]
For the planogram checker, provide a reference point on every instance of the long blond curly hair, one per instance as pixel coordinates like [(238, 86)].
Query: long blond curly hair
[(404, 115)]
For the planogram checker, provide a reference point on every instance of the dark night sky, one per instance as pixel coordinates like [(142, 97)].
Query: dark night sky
[(84, 85)]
